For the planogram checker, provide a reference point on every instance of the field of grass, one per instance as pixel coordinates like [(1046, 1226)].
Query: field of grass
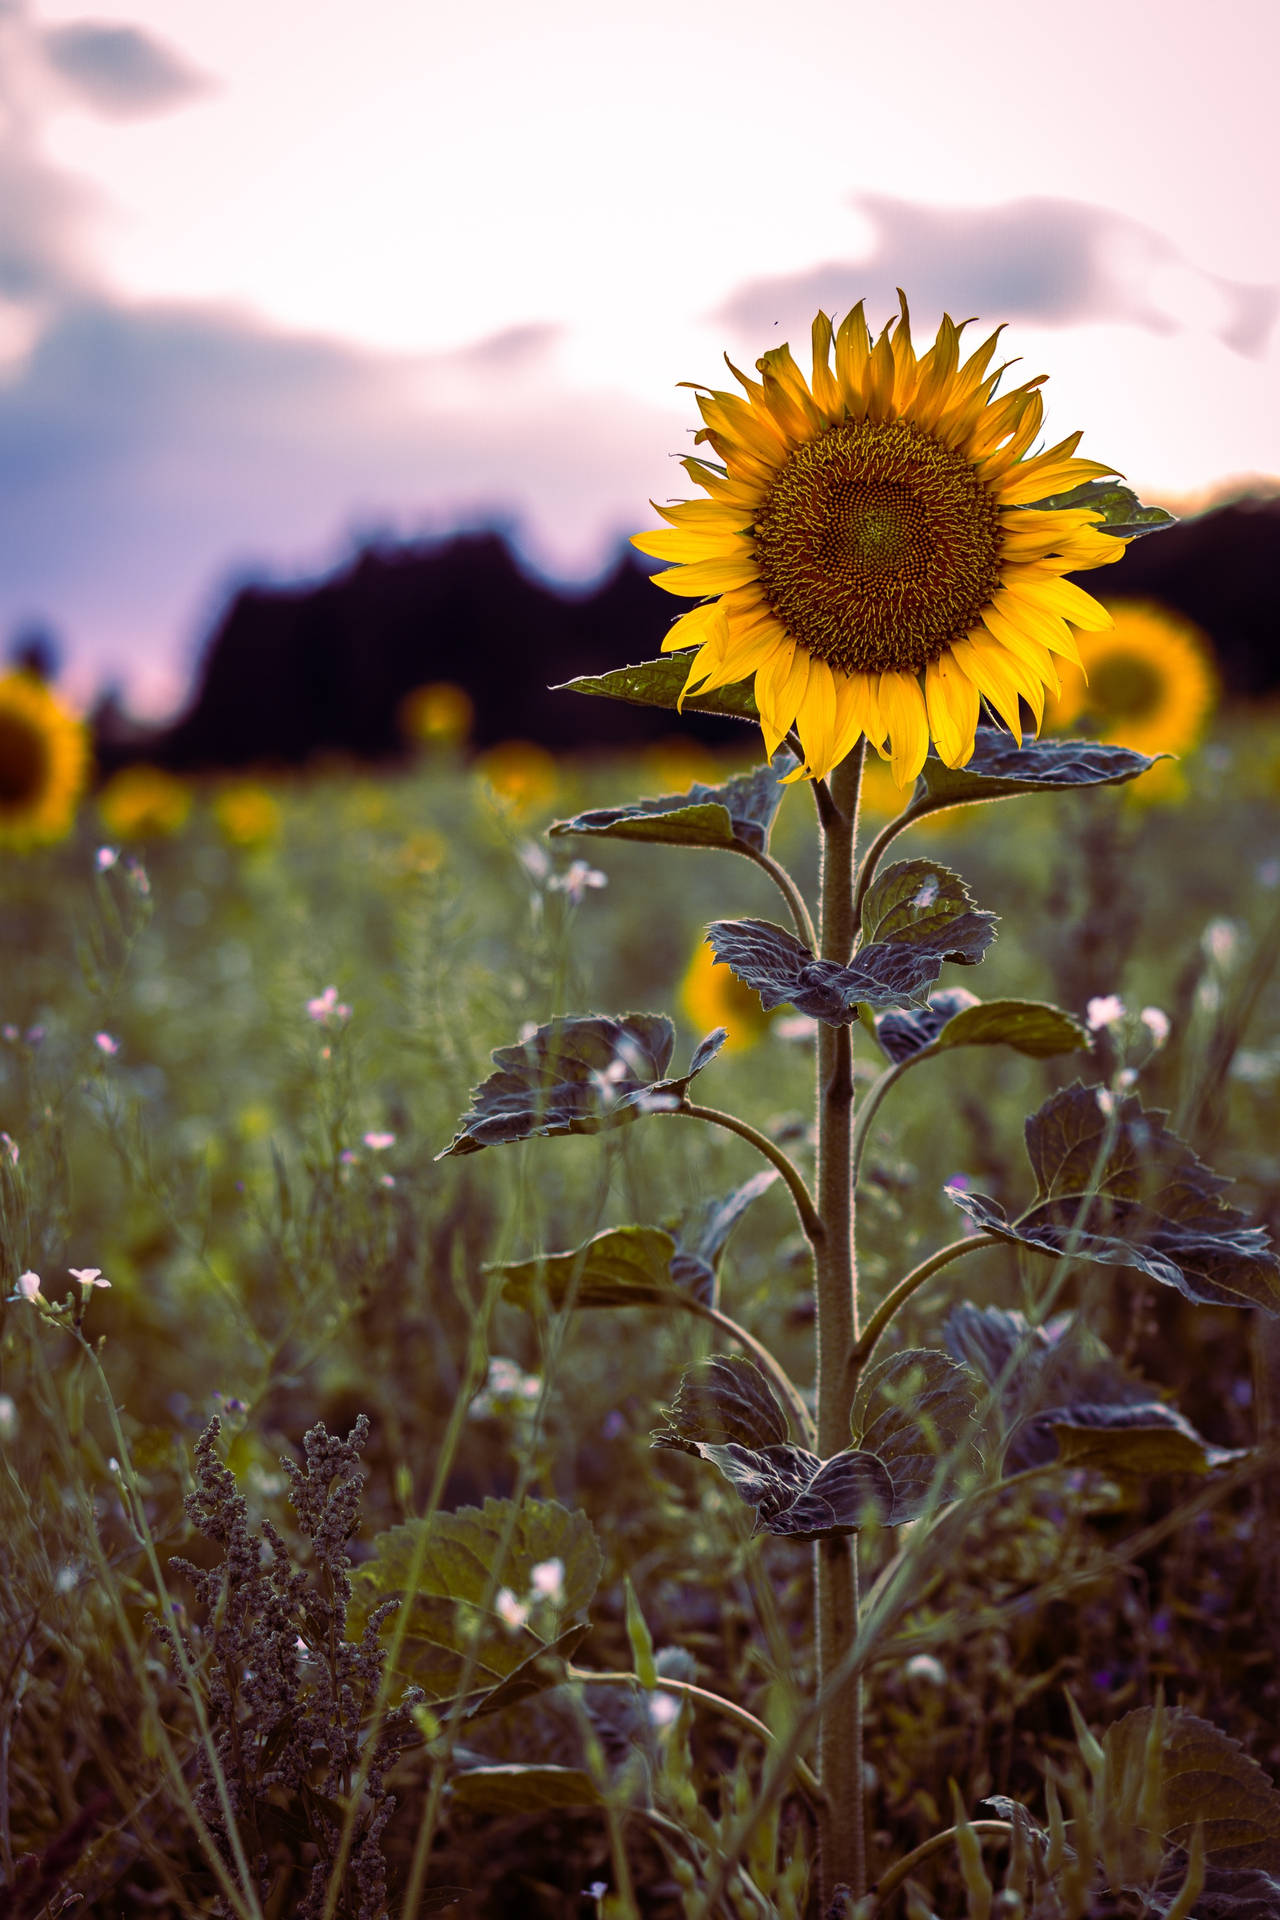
[(200, 1717)]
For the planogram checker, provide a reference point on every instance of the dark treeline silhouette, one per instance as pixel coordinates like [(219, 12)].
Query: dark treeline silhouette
[(322, 668)]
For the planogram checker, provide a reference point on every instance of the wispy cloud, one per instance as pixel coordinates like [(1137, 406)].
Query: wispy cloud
[(1055, 262), (119, 70)]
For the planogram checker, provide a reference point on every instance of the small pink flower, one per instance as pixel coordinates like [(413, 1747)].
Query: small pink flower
[(327, 1010), (88, 1277), (28, 1288), (379, 1142), (1104, 1010), (9, 1147), (106, 1044), (106, 859)]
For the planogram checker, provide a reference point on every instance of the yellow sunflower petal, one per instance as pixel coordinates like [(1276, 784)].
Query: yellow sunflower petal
[(697, 627), (990, 669), (826, 388), (816, 720), (779, 689), (902, 704), (701, 577), (853, 357), (1060, 596), (953, 706), (691, 543)]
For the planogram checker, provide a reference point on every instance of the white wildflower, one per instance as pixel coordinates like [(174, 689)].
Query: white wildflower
[(513, 1613), (1156, 1024), (547, 1580)]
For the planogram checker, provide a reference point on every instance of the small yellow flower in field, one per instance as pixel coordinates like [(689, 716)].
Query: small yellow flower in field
[(422, 852), (437, 715), (522, 775), (869, 551), (144, 803), (247, 815), (44, 763), (712, 996)]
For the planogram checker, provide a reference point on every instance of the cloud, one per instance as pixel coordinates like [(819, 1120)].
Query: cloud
[(148, 453), (120, 71), (1056, 262)]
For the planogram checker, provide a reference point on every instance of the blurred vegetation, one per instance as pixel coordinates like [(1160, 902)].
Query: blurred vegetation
[(248, 1158)]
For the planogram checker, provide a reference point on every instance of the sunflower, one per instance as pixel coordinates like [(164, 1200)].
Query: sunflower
[(144, 803), (1151, 681), (44, 762), (712, 996), (870, 551)]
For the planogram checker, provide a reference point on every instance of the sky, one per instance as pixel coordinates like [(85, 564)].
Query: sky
[(280, 275)]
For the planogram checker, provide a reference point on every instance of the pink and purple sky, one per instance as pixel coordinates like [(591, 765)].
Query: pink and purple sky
[(275, 274)]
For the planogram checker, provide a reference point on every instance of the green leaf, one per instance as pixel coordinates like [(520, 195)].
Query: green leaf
[(659, 683), (1061, 1393), (1145, 1439), (523, 1789), (738, 813), (925, 905), (726, 1398), (703, 1232), (1146, 1201), (726, 1412), (621, 1267), (1123, 514), (956, 1018), (578, 1075), (912, 1410), (640, 1638), (447, 1621), (1205, 1777), (892, 972), (1001, 768)]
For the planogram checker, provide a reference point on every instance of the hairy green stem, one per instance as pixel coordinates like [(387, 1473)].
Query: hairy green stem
[(702, 1696), (870, 1338), (787, 888), (842, 1845), (810, 1219)]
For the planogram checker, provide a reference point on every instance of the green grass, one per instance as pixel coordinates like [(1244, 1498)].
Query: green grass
[(269, 1266)]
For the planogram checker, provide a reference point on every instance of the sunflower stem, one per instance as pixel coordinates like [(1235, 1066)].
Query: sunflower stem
[(787, 888), (842, 1844)]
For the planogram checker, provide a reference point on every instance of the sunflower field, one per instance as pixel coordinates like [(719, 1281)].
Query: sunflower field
[(437, 1477)]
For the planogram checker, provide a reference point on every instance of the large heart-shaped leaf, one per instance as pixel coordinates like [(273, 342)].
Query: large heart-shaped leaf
[(726, 1398), (1123, 515), (955, 1017), (1000, 768), (621, 1267), (920, 919), (1060, 1393), (739, 813), (1116, 1187), (454, 1643), (1143, 1439), (660, 683), (636, 1266), (578, 1075), (1206, 1779), (915, 1410)]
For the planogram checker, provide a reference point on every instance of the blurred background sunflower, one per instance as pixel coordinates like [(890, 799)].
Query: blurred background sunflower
[(711, 996), (144, 803), (44, 763), (1148, 682)]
